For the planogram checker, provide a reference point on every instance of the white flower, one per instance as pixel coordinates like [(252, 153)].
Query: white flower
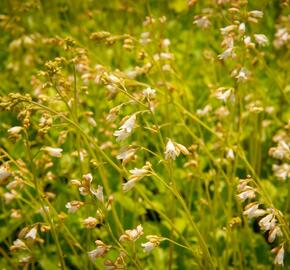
[(248, 42), (145, 35), (204, 111), (73, 206), (54, 152), (32, 233), (223, 93), (279, 259), (202, 22), (252, 210), (153, 242), (129, 185), (166, 56), (136, 175), (99, 251), (281, 37), (226, 30), (281, 151), (226, 54), (148, 246), (145, 38), (171, 152), (242, 28), (92, 121), (276, 231), (173, 149), (268, 222), (243, 75), (243, 184), (18, 244), (230, 154), (88, 177), (121, 135), (228, 42), (98, 193), (90, 222), (166, 42), (256, 14), (14, 130), (10, 196), (132, 235), (113, 79), (247, 194), (125, 154), (261, 39), (138, 172), (282, 172), (4, 173), (25, 260), (149, 93), (125, 130)]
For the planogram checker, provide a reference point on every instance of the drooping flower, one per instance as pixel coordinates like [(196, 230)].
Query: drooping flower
[(282, 171), (125, 130), (202, 22), (282, 151), (32, 233), (204, 111), (14, 132), (136, 175), (86, 184), (230, 154), (223, 93), (227, 53), (245, 191), (170, 151), (90, 222), (148, 246), (153, 242), (98, 193), (275, 232), (149, 93), (228, 29), (129, 185), (73, 206), (256, 14), (99, 251), (4, 173), (52, 151), (268, 222), (18, 244), (279, 259), (247, 194), (261, 39), (252, 210), (243, 75), (173, 149), (132, 235), (140, 173), (248, 42), (242, 28), (126, 154)]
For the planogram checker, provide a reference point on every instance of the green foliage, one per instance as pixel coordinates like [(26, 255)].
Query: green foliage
[(138, 134)]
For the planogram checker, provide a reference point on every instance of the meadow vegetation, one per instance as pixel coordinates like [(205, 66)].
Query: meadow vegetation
[(145, 134)]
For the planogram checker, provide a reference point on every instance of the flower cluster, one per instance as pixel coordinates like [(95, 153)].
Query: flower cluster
[(268, 218), (282, 153)]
